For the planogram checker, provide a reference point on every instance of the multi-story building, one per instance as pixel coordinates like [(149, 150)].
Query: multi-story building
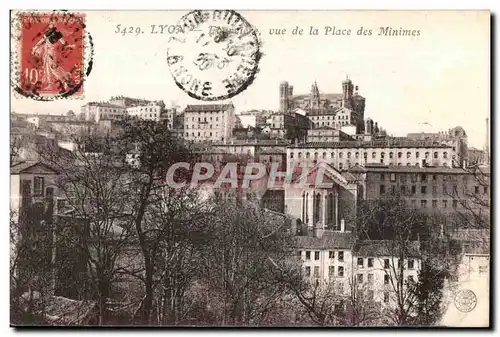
[(95, 111), (209, 122), (366, 269), (149, 111), (431, 189), (125, 102), (346, 154), (326, 134), (288, 125)]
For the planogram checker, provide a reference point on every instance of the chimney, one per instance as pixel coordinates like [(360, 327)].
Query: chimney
[(342, 225)]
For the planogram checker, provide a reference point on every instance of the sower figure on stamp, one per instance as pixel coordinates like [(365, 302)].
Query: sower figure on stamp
[(44, 50)]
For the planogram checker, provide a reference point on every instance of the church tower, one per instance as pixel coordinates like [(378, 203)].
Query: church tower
[(347, 91), (314, 98), (285, 91)]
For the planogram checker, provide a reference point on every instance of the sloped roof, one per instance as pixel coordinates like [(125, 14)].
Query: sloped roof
[(208, 107), (22, 166), (374, 144), (329, 240), (386, 248)]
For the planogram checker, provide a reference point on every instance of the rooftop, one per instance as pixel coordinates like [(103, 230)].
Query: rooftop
[(373, 144), (208, 107), (329, 240), (387, 248)]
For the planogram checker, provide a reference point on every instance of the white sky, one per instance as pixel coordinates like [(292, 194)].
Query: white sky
[(441, 77)]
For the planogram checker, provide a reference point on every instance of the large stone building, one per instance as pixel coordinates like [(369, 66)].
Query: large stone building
[(95, 111), (398, 152), (209, 122)]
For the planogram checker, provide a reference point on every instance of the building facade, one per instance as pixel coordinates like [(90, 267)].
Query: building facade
[(209, 122)]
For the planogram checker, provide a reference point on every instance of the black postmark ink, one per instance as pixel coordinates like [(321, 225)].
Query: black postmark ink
[(217, 55), (465, 300)]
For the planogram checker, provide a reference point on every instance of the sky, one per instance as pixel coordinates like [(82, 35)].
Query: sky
[(440, 77)]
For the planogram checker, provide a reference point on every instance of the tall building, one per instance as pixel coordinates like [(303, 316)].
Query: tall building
[(95, 111), (209, 122)]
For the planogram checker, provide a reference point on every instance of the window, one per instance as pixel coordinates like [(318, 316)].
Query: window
[(445, 203), (386, 297), (348, 154), (331, 254), (341, 271), (400, 154), (340, 166), (434, 189), (316, 256), (374, 155), (427, 155), (414, 203), (436, 155), (308, 271), (360, 262), (411, 264), (291, 155), (408, 155), (445, 155), (423, 189), (308, 255), (316, 271), (445, 190), (359, 278), (38, 185), (370, 294), (308, 155), (386, 279), (403, 191), (455, 204), (413, 189), (324, 155), (434, 203), (341, 256), (370, 262), (331, 271), (423, 203), (341, 154), (434, 177), (382, 189), (386, 263), (382, 176), (391, 155), (370, 279), (299, 254), (417, 154), (476, 189), (485, 189), (411, 279), (382, 155)]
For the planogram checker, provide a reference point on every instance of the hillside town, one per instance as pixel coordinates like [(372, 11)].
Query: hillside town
[(370, 230)]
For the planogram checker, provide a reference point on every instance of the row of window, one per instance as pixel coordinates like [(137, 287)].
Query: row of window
[(200, 126), (423, 190), (331, 255), (204, 134), (365, 154)]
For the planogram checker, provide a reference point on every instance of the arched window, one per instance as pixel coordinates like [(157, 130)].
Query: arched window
[(408, 155), (340, 166), (299, 155), (317, 207), (399, 164), (324, 155), (400, 154), (291, 155), (341, 154), (417, 154), (348, 154), (427, 155), (436, 155), (315, 155), (391, 155), (445, 165), (382, 155), (374, 154), (357, 155), (308, 155), (332, 155), (445, 155), (408, 164)]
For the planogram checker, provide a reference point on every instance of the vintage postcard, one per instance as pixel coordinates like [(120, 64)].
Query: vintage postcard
[(222, 168)]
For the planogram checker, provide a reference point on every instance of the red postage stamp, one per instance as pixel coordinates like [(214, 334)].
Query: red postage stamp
[(51, 55)]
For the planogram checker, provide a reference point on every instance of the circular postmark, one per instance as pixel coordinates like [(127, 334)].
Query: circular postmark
[(465, 300), (52, 54), (215, 55)]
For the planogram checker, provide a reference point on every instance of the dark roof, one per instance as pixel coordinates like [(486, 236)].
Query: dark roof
[(330, 239), (330, 96), (386, 248), (208, 107), (21, 166), (372, 144), (416, 169)]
